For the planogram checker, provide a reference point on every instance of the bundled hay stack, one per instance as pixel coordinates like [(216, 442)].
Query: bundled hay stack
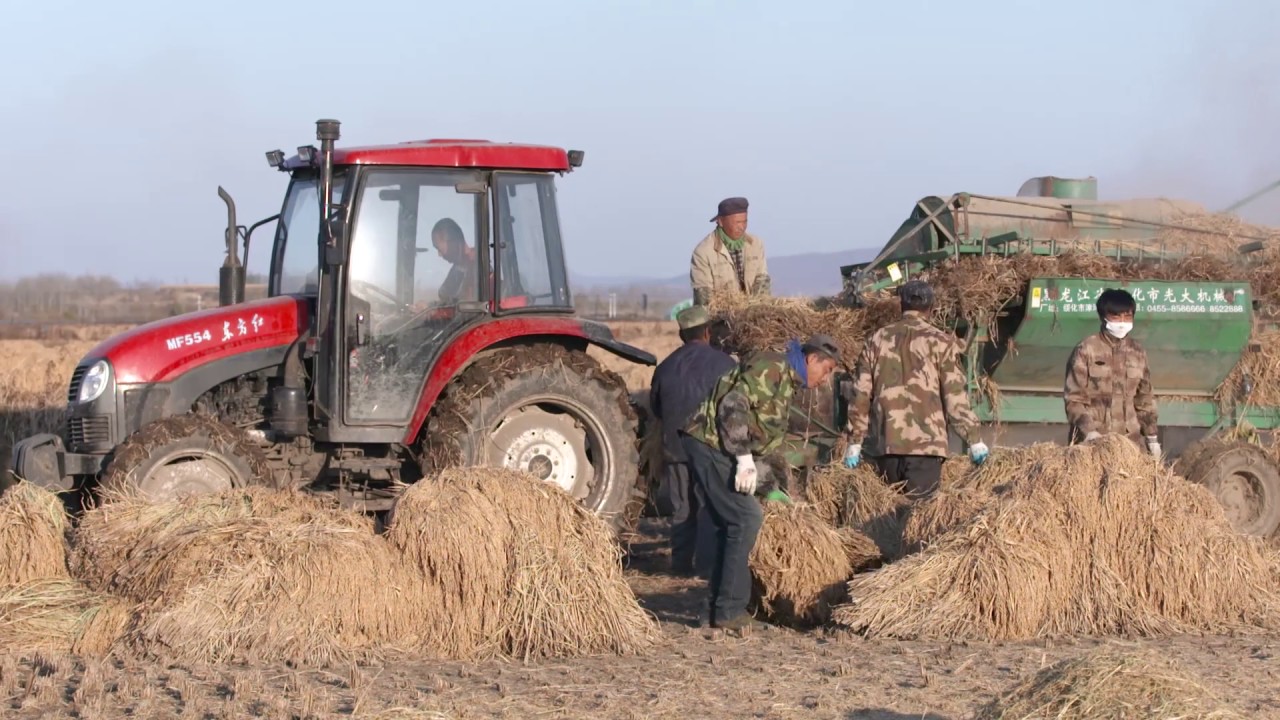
[(800, 564), (33, 544), (859, 499), (768, 323), (60, 616), (515, 566), (1108, 685), (250, 575), (1100, 539)]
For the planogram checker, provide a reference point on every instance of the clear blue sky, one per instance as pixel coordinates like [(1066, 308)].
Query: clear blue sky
[(122, 119)]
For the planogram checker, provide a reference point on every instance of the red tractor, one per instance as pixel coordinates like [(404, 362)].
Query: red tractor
[(418, 315)]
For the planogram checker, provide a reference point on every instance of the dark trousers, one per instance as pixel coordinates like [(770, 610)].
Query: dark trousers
[(692, 534), (920, 473), (736, 518)]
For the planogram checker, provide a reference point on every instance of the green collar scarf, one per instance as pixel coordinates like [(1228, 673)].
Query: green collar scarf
[(733, 245)]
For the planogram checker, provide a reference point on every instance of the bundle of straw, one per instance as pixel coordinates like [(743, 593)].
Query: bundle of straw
[(1098, 539), (33, 526), (800, 565)]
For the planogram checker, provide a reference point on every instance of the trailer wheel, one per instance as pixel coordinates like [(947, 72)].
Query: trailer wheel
[(553, 413), (184, 455), (1245, 481)]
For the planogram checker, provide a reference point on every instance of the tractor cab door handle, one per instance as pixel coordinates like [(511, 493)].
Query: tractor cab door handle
[(362, 332)]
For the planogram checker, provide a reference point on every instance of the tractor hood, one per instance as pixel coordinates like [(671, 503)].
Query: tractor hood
[(160, 351)]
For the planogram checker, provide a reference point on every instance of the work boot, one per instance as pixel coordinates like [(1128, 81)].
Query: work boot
[(740, 624)]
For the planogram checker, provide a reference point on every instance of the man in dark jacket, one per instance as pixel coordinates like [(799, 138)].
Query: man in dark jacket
[(679, 385)]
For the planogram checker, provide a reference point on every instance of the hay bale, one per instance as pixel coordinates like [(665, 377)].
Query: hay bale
[(61, 616), (250, 575), (515, 566), (859, 499), (1108, 685), (800, 565), (945, 511), (33, 544), (1101, 539)]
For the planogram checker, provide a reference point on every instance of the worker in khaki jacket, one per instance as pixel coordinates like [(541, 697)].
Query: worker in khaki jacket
[(729, 261), (1108, 380)]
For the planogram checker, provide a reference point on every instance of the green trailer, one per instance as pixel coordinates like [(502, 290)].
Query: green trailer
[(1195, 332)]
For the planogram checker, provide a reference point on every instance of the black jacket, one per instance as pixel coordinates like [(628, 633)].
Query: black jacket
[(680, 383)]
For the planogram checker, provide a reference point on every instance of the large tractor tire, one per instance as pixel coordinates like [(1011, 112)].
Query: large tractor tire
[(1243, 478), (184, 455), (551, 412)]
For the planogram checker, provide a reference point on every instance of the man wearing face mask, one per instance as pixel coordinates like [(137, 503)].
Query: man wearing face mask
[(1108, 382), (744, 417)]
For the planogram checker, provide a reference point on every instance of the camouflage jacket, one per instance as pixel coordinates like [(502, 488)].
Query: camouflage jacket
[(1108, 389), (748, 408), (908, 387)]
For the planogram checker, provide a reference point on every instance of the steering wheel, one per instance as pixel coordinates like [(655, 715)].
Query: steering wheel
[(367, 288)]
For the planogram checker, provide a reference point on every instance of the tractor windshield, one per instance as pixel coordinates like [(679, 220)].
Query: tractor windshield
[(296, 258)]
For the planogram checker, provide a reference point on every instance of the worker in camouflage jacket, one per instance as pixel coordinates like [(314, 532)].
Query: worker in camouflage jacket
[(745, 416), (1108, 380), (908, 388)]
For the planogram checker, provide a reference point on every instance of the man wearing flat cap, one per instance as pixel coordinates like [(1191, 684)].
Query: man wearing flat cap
[(729, 261), (908, 389), (679, 384), (745, 416)]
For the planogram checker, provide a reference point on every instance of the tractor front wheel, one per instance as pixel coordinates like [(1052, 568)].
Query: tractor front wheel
[(181, 456), (1244, 479), (553, 413)]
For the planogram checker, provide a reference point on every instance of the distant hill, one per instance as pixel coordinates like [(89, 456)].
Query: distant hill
[(807, 274)]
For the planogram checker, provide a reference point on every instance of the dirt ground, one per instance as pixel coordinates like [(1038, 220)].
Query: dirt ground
[(697, 672)]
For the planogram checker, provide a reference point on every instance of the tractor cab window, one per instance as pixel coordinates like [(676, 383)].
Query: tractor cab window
[(412, 278), (530, 262), (297, 252)]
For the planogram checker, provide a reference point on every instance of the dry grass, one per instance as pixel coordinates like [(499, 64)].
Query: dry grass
[(33, 526), (1109, 685), (860, 499), (33, 388), (60, 616), (659, 338), (800, 565), (252, 575), (515, 566), (1100, 540)]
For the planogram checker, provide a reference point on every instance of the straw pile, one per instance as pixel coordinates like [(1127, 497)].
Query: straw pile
[(1108, 685), (859, 499), (800, 564), (1100, 539), (515, 566), (33, 526), (251, 575)]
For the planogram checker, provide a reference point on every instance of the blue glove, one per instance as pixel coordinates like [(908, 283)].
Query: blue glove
[(852, 455), (978, 453)]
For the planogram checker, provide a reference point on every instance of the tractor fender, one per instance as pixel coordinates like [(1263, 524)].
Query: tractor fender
[(465, 347)]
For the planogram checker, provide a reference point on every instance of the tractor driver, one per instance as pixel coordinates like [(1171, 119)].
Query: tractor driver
[(460, 284)]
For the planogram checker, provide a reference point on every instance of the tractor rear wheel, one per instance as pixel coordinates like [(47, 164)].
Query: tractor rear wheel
[(551, 412), (1244, 479), (184, 455)]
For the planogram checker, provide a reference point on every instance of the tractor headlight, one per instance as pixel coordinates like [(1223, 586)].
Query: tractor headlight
[(95, 381)]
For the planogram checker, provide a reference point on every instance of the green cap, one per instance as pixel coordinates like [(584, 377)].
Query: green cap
[(692, 317)]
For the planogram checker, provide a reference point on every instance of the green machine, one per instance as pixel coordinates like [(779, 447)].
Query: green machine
[(1195, 333)]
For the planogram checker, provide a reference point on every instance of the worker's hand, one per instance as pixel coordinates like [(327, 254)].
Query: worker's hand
[(1093, 435), (852, 455), (1153, 445), (744, 479), (978, 452)]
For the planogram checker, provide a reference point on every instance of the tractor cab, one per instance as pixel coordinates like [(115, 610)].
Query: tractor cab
[(422, 240)]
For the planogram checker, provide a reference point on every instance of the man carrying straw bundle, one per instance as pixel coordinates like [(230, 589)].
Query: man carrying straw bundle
[(679, 383), (744, 416), (908, 387), (1108, 380), (729, 261)]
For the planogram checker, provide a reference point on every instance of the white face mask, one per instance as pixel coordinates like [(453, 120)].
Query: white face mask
[(1119, 329)]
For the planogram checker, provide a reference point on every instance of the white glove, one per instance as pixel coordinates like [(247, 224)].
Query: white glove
[(978, 453), (852, 456), (1153, 445), (1093, 435), (744, 480)]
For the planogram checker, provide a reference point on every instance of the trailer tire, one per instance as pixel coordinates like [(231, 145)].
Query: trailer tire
[(550, 411), (184, 455), (1244, 479)]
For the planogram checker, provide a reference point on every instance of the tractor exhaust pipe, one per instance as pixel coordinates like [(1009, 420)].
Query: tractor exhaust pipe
[(327, 133), (231, 274)]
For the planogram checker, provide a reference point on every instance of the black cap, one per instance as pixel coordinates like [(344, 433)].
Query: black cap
[(730, 206), (916, 293), (822, 344)]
